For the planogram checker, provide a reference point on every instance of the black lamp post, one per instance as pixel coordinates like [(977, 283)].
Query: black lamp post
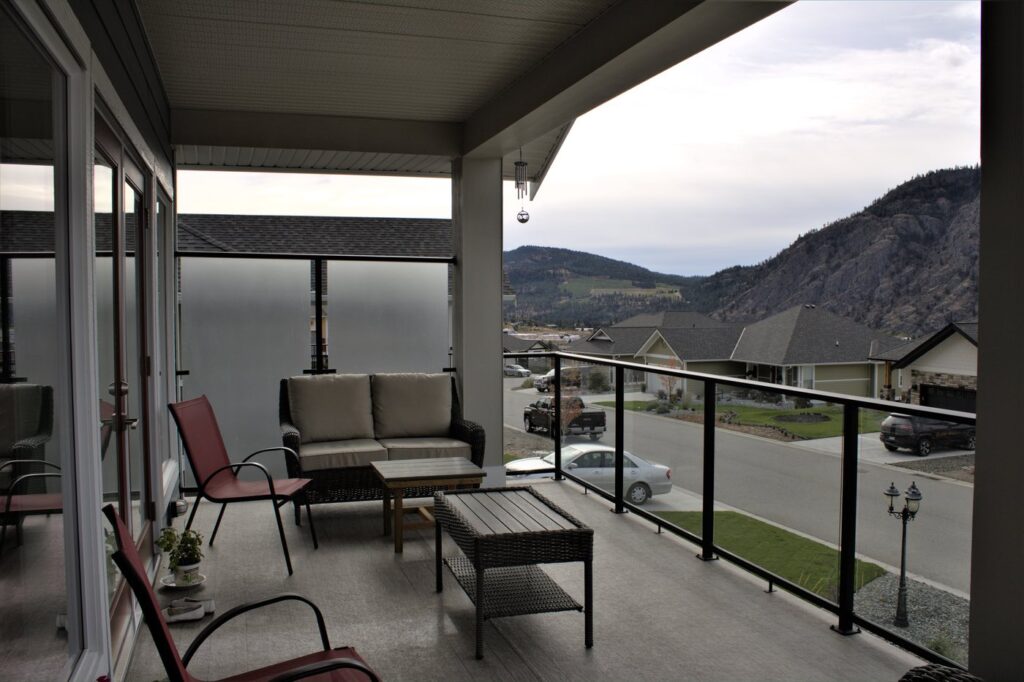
[(912, 503)]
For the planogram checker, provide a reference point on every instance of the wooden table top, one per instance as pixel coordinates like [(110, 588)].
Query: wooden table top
[(429, 469), (513, 510)]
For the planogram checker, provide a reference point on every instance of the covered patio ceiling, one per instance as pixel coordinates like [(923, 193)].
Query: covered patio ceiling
[(404, 87)]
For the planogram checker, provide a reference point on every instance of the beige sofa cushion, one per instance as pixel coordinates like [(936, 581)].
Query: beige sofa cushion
[(424, 448), (331, 407), (340, 454), (411, 405)]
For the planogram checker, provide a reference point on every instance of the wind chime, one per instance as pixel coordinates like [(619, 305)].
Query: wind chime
[(522, 216)]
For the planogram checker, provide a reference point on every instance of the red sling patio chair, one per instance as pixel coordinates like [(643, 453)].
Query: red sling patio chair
[(17, 505), (217, 476), (338, 665)]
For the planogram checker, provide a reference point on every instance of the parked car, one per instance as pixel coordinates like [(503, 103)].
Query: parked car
[(570, 378), (516, 371), (922, 434), (577, 418), (596, 464)]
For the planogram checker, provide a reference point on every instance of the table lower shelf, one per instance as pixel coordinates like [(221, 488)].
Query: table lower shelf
[(512, 590)]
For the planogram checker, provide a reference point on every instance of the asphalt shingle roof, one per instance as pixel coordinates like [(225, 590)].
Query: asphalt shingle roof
[(625, 341), (808, 335), (715, 343), (906, 353), (328, 235)]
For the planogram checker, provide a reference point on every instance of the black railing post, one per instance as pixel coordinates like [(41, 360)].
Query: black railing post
[(5, 318), (707, 552), (848, 521), (556, 428), (318, 288), (620, 433)]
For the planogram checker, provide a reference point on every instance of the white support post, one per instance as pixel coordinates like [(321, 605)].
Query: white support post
[(476, 328), (997, 550)]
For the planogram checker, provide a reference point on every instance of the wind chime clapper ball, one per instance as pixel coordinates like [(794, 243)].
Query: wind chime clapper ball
[(522, 216)]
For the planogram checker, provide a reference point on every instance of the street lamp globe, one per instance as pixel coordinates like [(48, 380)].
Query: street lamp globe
[(913, 496), (892, 492)]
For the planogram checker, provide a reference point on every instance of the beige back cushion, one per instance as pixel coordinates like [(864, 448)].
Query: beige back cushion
[(331, 406), (407, 405)]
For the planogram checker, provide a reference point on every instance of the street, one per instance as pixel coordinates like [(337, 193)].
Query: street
[(798, 486)]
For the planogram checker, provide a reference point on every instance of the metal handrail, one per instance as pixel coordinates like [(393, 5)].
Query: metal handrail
[(848, 620)]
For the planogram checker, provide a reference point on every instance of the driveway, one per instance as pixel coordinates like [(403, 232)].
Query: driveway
[(872, 450)]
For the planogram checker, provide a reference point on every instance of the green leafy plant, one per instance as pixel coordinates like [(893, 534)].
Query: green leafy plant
[(183, 549)]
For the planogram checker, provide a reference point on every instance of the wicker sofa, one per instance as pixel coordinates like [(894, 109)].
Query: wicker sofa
[(340, 423)]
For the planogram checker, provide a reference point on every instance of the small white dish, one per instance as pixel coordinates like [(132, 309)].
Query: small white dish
[(168, 582)]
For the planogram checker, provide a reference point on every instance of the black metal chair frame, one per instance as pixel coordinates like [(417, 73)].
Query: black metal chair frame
[(154, 620), (273, 497), (9, 497)]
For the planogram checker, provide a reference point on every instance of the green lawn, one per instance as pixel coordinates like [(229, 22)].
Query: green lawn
[(805, 562), (765, 416)]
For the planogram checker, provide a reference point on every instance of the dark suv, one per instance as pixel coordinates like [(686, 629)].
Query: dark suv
[(921, 434)]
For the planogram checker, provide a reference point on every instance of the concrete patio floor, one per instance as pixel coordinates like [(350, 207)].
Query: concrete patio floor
[(660, 613)]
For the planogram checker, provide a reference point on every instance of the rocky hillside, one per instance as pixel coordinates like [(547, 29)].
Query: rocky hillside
[(907, 263)]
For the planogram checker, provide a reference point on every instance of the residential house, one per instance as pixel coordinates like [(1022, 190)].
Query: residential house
[(810, 347), (938, 370)]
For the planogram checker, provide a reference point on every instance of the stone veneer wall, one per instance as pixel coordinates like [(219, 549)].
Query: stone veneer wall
[(938, 379)]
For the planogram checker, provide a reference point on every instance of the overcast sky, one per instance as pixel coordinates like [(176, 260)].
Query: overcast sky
[(802, 119)]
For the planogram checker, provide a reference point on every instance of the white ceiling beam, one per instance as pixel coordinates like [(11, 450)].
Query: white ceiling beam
[(309, 131), (628, 44)]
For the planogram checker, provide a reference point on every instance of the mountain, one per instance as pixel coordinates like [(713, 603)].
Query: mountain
[(908, 263)]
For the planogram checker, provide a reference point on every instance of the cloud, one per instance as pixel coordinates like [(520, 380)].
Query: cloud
[(800, 120)]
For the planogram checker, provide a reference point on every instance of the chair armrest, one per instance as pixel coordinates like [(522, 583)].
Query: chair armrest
[(235, 467), (472, 433), (293, 441), (290, 455), (323, 667), (244, 608), (12, 462), (17, 481), (32, 442)]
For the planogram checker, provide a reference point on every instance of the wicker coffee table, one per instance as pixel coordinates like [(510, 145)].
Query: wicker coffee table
[(503, 534), (399, 475)]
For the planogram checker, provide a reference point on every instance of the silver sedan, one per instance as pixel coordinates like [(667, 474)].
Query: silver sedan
[(596, 464)]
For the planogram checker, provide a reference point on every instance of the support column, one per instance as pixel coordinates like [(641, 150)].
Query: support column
[(476, 323), (997, 551)]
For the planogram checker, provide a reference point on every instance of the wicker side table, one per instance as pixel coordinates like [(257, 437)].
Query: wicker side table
[(503, 534)]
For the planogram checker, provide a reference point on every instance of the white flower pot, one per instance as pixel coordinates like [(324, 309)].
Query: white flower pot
[(186, 574)]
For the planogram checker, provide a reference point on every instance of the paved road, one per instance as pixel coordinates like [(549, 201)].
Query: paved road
[(798, 487)]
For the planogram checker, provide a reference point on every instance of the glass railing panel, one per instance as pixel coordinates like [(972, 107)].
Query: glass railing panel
[(663, 434), (778, 484), (387, 317), (938, 458), (245, 325), (527, 445)]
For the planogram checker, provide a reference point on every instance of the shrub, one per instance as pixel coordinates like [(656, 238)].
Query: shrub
[(662, 407), (662, 395), (527, 383), (801, 403), (598, 382)]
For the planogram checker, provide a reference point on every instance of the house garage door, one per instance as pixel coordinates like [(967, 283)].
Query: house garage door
[(949, 398)]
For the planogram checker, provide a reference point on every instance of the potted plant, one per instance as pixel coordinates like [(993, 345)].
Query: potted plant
[(184, 552)]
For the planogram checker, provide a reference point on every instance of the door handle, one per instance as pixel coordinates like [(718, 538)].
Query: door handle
[(119, 423), (116, 389)]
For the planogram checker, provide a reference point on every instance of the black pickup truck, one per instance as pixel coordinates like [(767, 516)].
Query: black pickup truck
[(577, 418)]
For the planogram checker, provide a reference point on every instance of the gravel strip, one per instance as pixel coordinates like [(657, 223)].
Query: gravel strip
[(960, 467), (938, 619)]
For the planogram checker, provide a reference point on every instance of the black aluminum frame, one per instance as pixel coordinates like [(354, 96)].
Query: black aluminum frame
[(848, 621)]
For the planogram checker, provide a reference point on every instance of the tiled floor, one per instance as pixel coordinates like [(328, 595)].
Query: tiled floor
[(660, 613)]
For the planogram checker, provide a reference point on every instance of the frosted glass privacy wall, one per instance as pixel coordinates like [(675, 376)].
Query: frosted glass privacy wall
[(245, 325), (387, 317)]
